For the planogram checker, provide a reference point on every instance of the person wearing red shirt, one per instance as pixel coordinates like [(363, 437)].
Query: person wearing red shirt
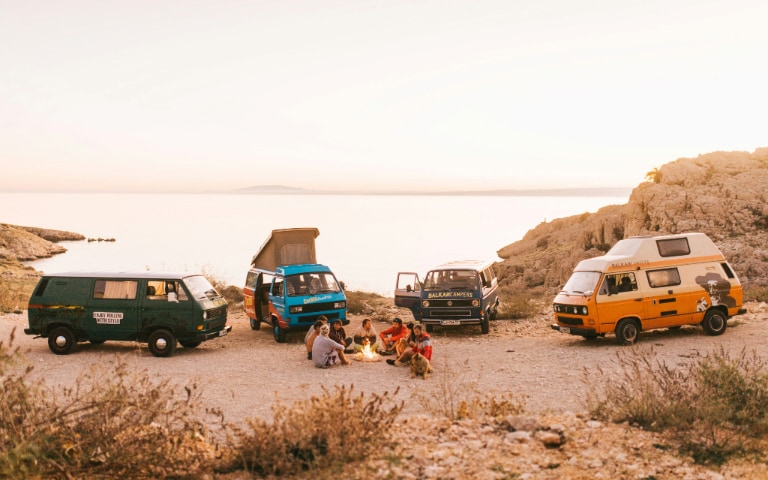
[(390, 336)]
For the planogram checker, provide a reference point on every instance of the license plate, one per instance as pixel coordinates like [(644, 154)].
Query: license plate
[(565, 330), (450, 322)]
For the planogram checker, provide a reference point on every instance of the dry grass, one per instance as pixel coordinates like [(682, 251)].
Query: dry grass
[(713, 408)]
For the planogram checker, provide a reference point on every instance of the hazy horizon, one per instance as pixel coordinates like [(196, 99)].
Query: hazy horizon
[(336, 95)]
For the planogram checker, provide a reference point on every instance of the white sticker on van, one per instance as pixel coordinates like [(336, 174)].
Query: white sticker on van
[(108, 318)]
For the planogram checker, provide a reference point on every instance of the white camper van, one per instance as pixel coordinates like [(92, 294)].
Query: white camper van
[(645, 283)]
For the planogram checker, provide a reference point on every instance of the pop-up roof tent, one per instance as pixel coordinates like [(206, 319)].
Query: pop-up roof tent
[(288, 246)]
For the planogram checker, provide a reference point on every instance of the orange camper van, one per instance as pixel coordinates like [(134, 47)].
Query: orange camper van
[(645, 283)]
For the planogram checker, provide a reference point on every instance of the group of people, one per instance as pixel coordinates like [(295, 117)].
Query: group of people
[(328, 345)]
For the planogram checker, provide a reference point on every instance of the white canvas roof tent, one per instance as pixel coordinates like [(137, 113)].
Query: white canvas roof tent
[(636, 252), (288, 246)]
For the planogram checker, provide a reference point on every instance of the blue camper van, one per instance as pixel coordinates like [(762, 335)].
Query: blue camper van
[(286, 293)]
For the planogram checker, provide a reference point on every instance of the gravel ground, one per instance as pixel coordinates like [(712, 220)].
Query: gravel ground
[(244, 373)]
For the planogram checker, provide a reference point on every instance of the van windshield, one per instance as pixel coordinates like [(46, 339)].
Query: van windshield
[(582, 283), (311, 284), (200, 287), (451, 280)]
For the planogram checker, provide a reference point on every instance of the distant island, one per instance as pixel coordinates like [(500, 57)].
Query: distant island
[(552, 192)]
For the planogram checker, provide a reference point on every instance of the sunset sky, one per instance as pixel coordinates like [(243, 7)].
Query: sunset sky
[(200, 95)]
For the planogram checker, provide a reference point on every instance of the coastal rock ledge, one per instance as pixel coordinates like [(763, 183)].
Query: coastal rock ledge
[(722, 194), (21, 244)]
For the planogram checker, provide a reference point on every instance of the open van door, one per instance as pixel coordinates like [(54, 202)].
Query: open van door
[(408, 292)]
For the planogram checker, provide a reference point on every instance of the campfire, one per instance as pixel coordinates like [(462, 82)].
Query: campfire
[(367, 354)]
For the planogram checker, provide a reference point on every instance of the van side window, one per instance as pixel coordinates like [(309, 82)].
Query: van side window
[(673, 247), (115, 289), (728, 271), (250, 280), (619, 283), (663, 278), (277, 288)]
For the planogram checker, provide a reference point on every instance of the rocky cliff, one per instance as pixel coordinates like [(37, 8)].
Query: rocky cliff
[(723, 194), (19, 244)]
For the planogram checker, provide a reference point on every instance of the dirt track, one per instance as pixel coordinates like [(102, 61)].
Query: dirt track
[(246, 371)]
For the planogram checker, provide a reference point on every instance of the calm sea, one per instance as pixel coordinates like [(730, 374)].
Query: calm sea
[(366, 240)]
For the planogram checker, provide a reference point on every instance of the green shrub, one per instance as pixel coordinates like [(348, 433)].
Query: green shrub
[(517, 306), (713, 408), (755, 293), (112, 422), (322, 432)]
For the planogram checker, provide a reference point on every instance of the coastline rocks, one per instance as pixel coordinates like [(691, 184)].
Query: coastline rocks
[(722, 194)]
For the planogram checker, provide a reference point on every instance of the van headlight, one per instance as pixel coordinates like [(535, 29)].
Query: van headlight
[(205, 315), (425, 303), (475, 302), (296, 309), (337, 305)]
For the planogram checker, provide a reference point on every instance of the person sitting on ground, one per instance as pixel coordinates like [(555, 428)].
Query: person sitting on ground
[(366, 334), (326, 352), (312, 334), (390, 336), (338, 334), (409, 341), (423, 346)]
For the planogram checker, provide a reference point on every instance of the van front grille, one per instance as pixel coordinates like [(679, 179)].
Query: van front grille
[(569, 320)]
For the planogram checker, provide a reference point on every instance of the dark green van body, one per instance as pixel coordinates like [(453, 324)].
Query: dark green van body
[(157, 308)]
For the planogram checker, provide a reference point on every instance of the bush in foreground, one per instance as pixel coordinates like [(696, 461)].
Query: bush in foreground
[(713, 408)]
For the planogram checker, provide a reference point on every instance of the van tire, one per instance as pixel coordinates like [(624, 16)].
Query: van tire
[(715, 322), (279, 332), (162, 343), (255, 324), (61, 340), (627, 332)]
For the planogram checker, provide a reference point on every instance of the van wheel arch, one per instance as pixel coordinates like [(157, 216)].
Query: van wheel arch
[(279, 332), (627, 331), (161, 342), (715, 321), (61, 340)]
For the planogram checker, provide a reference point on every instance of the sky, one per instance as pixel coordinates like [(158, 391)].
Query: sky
[(424, 95)]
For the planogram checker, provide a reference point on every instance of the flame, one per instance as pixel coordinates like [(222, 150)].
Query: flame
[(367, 354)]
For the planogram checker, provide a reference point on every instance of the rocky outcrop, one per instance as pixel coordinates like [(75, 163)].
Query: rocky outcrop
[(21, 244), (723, 194)]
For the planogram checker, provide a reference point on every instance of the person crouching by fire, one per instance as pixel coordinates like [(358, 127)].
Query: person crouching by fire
[(365, 335), (326, 352), (390, 336), (423, 345)]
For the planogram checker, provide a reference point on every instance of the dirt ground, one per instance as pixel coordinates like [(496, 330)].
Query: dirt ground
[(245, 372)]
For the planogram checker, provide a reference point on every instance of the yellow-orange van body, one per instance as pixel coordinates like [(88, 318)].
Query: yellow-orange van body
[(645, 283)]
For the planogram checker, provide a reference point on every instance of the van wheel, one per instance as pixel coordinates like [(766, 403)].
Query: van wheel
[(190, 343), (162, 343), (627, 332), (714, 322), (61, 341), (485, 325), (279, 332), (255, 324)]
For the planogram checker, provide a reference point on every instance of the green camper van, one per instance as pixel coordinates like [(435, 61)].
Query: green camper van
[(155, 308)]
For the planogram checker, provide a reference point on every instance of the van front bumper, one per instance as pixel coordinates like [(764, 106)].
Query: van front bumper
[(211, 335), (450, 321), (584, 332)]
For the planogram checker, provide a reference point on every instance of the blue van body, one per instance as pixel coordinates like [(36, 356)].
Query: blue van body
[(454, 293), (292, 297)]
